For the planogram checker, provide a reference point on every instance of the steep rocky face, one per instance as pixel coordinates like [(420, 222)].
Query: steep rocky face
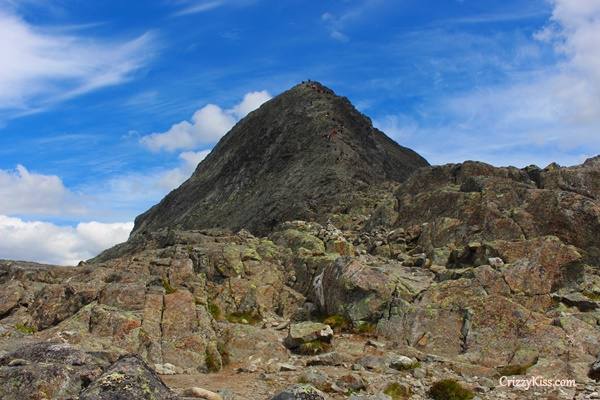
[(306, 154), (473, 201)]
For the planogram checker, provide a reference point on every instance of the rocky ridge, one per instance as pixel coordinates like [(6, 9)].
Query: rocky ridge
[(447, 280), (306, 154)]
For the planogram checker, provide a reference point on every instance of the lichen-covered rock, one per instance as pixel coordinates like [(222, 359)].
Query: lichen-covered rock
[(56, 302), (300, 392), (362, 289), (128, 378), (47, 371), (10, 296), (509, 204), (309, 337), (595, 370)]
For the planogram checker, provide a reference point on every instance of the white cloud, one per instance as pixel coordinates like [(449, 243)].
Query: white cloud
[(37, 196), (125, 196), (24, 192), (550, 113), (207, 125), (336, 24), (34, 195), (172, 178), (397, 127), (41, 67), (251, 102), (53, 244)]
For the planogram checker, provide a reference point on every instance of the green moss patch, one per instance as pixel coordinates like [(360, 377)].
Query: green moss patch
[(397, 391), (338, 322), (25, 329), (365, 328), (243, 318), (214, 310), (313, 347), (167, 286), (212, 363), (510, 370), (449, 389)]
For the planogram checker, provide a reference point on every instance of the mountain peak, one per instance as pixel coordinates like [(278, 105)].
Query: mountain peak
[(305, 154)]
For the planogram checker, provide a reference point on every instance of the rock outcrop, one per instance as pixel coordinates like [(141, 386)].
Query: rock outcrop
[(473, 201), (128, 378)]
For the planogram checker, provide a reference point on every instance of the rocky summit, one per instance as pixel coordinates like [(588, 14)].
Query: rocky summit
[(306, 154), (310, 257)]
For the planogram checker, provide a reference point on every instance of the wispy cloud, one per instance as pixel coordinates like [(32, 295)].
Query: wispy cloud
[(497, 18), (41, 67), (189, 7), (199, 7), (543, 104), (337, 23)]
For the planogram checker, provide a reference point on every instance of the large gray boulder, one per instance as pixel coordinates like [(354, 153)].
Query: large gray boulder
[(47, 370), (309, 337), (128, 379), (300, 392)]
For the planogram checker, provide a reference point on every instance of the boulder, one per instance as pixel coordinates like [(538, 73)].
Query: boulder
[(361, 289), (300, 392), (56, 302), (472, 201), (595, 370), (47, 370), (129, 378), (10, 296), (309, 337)]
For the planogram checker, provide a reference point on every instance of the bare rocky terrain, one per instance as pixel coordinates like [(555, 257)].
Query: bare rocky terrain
[(298, 263)]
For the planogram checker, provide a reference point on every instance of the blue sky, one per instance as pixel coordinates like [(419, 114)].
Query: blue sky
[(106, 106)]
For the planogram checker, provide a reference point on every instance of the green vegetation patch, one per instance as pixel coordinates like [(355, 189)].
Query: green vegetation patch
[(591, 295), (25, 329), (338, 323), (365, 328), (167, 285), (313, 347), (509, 370), (212, 363), (397, 392), (243, 318), (449, 389), (214, 310)]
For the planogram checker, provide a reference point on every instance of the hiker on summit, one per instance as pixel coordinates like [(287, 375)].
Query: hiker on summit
[(332, 134)]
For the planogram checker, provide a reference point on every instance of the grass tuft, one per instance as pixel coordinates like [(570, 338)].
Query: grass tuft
[(214, 310), (25, 329), (167, 285), (337, 322), (313, 347)]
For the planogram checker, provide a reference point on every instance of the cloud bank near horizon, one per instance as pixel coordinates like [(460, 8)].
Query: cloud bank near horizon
[(25, 194)]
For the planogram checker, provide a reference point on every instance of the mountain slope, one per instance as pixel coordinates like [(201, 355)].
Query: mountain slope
[(303, 155)]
